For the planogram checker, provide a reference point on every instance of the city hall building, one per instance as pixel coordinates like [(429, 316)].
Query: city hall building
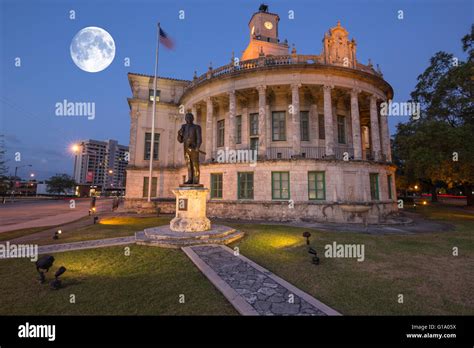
[(312, 120)]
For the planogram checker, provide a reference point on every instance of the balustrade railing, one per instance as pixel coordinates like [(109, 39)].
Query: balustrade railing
[(279, 152), (268, 62), (315, 152)]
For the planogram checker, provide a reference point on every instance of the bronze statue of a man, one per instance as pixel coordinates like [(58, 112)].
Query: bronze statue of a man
[(190, 136)]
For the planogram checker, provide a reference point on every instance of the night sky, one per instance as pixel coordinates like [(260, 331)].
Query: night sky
[(40, 33)]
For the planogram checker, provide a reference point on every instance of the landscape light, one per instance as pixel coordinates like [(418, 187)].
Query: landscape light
[(307, 235), (44, 263), (315, 258), (56, 234), (425, 202), (56, 283), (96, 219)]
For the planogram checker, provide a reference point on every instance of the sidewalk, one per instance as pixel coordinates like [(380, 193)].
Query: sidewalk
[(59, 219), (250, 288)]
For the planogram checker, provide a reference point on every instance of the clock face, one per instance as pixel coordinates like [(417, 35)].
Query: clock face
[(268, 25)]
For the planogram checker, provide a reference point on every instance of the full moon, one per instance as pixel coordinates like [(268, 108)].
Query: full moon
[(92, 49)]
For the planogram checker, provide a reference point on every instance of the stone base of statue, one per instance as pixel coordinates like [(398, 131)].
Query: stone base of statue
[(190, 225), (190, 209)]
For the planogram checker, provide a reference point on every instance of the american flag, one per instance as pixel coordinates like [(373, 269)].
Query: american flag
[(165, 40)]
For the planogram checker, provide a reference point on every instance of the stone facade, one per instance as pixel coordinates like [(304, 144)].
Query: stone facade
[(301, 114)]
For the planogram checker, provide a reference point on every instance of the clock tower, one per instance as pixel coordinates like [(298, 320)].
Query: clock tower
[(263, 28)]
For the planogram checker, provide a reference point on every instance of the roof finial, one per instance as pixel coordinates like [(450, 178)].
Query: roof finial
[(195, 75), (338, 23), (263, 8)]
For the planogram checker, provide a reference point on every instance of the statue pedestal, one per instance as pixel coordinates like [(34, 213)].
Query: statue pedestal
[(190, 209)]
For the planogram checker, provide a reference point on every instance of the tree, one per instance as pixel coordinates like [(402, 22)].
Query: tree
[(4, 182), (437, 148), (60, 183)]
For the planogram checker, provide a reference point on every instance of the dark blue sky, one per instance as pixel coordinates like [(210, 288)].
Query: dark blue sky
[(40, 33)]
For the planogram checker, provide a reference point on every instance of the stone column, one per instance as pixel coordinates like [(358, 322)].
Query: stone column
[(194, 112), (374, 127), (356, 138), (295, 118), (209, 121), (262, 116), (385, 134), (232, 107), (245, 127), (328, 121)]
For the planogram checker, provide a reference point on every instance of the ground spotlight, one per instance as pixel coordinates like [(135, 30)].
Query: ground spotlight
[(307, 235), (315, 259), (44, 263), (56, 234), (96, 219), (56, 283)]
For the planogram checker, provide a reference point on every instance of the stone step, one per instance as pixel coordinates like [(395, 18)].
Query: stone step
[(189, 235), (142, 239)]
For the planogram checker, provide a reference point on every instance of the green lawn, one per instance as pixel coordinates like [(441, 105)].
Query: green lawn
[(4, 236), (420, 267), (106, 282), (109, 227)]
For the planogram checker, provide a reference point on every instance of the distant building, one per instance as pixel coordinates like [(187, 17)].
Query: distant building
[(101, 164), (42, 190)]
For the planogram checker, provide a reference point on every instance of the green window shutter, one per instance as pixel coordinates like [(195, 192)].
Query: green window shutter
[(304, 125), (147, 146), (216, 185), (280, 185), (238, 129), (341, 129), (278, 126), (220, 133), (389, 183), (321, 130), (374, 186), (245, 185), (154, 182), (253, 124), (316, 186), (145, 186)]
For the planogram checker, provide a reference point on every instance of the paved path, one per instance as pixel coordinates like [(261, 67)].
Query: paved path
[(250, 288), (45, 213), (88, 244)]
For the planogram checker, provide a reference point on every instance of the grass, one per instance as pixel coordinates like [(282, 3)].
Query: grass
[(106, 228), (106, 282), (420, 267), (4, 236)]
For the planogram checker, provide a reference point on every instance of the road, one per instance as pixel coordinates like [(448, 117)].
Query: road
[(19, 215)]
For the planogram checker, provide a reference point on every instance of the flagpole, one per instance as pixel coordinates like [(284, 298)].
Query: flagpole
[(152, 144)]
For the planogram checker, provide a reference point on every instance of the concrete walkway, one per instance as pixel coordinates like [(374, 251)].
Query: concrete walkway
[(46, 213), (250, 288), (88, 244)]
